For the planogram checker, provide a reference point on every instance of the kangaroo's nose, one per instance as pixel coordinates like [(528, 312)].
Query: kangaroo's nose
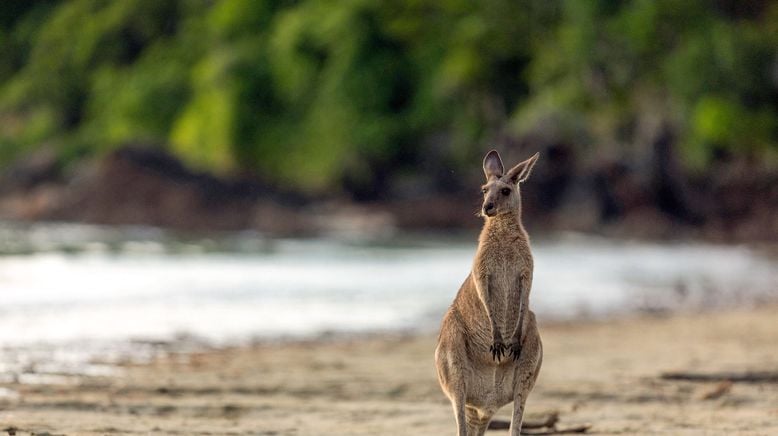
[(489, 208)]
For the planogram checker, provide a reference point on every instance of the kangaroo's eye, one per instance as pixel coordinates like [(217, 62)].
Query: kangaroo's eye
[(484, 190), (506, 191)]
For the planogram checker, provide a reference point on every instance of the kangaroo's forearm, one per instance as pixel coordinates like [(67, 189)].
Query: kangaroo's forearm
[(482, 289), (518, 331), (524, 285)]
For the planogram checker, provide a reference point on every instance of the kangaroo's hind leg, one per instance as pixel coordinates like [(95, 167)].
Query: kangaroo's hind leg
[(477, 421), (527, 372), (458, 403), (452, 381)]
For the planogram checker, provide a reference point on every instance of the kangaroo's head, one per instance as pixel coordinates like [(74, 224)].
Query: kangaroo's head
[(501, 191)]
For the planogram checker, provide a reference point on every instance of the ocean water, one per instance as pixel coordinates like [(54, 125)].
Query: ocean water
[(71, 284)]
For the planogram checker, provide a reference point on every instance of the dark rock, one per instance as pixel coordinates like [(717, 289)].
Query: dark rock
[(33, 170)]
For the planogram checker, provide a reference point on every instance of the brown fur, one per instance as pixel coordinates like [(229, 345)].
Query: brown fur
[(477, 368)]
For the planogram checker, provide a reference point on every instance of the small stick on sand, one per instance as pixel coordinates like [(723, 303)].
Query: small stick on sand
[(720, 390)]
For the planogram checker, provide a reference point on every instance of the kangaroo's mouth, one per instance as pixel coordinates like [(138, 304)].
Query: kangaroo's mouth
[(489, 208)]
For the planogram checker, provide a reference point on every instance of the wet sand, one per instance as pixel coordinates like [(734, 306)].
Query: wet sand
[(606, 373)]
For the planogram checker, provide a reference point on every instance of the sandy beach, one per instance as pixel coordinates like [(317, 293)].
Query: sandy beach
[(605, 373)]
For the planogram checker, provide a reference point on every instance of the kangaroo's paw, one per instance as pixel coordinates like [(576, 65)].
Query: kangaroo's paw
[(497, 349), (514, 350)]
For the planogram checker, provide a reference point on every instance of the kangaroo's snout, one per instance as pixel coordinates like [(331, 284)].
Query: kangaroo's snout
[(489, 209)]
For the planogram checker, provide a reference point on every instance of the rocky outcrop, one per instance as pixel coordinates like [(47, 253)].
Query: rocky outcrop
[(136, 185)]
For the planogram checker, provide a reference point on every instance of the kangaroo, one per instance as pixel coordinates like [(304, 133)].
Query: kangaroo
[(477, 370)]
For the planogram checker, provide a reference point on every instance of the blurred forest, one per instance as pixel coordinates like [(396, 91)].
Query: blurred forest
[(669, 106)]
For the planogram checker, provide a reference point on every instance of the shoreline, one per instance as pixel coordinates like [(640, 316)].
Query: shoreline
[(606, 372), (191, 343)]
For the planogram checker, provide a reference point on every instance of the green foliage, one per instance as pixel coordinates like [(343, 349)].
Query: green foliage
[(613, 65), (315, 94)]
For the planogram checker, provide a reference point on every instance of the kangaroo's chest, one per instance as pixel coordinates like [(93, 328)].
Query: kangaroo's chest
[(504, 281), (504, 269)]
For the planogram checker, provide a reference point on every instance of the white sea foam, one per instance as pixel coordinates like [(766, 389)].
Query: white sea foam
[(304, 288)]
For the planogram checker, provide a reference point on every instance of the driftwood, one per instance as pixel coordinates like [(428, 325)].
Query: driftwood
[(549, 420), (735, 377), (499, 424), (559, 430), (545, 426)]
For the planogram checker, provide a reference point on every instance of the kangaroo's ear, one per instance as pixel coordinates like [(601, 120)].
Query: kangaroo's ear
[(521, 172), (493, 165)]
